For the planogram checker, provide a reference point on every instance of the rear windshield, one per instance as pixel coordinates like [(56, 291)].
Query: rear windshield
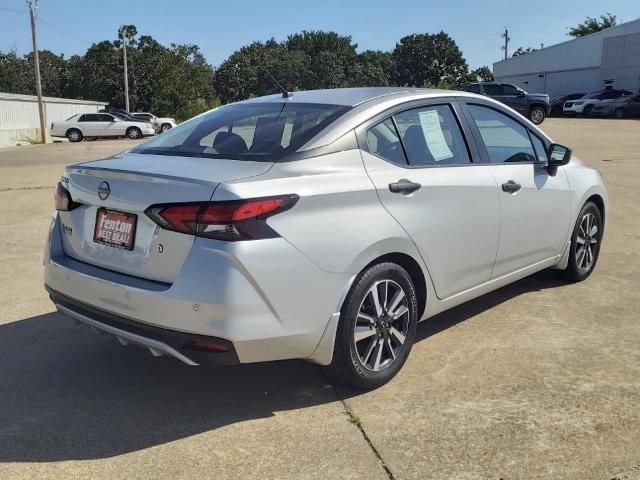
[(251, 131)]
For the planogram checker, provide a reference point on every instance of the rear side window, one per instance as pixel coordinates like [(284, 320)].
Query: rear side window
[(492, 89), (431, 136), (505, 139), (383, 140), (249, 131), (475, 88), (90, 117)]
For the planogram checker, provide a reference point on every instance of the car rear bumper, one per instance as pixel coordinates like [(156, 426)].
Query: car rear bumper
[(188, 348), (265, 298)]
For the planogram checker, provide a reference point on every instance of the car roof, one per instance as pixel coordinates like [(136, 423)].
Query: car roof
[(350, 97)]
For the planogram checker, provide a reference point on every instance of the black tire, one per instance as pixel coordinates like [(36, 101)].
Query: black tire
[(165, 127), (347, 365), (134, 133), (74, 135), (574, 271), (537, 114), (618, 113), (587, 110)]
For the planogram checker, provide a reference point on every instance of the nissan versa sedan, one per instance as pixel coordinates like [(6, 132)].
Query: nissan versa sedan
[(321, 225)]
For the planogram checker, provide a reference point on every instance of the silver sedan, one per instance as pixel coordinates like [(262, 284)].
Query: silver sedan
[(321, 225)]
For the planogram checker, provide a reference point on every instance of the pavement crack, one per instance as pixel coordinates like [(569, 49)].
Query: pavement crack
[(355, 419)]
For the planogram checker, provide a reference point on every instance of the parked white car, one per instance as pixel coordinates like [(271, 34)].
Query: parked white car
[(162, 124), (585, 104), (92, 125)]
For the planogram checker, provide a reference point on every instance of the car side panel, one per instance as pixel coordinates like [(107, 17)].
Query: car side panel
[(338, 217)]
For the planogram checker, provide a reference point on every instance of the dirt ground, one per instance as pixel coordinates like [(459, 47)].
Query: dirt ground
[(537, 380)]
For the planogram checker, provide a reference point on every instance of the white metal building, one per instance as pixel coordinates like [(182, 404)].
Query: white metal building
[(19, 120), (609, 58)]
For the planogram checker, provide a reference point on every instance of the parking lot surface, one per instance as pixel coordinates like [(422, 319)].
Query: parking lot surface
[(537, 380)]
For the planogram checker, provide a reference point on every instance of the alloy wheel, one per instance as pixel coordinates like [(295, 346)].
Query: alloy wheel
[(382, 325), (537, 116), (586, 242)]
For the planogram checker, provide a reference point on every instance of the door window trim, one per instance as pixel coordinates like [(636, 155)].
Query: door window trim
[(484, 154), (458, 115)]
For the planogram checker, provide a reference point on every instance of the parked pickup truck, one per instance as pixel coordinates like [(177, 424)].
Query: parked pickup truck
[(534, 106)]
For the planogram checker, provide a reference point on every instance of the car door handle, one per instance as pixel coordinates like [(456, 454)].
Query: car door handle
[(511, 187), (404, 186)]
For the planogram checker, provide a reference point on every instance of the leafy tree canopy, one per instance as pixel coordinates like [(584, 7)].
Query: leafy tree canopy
[(428, 60), (592, 25), (522, 51)]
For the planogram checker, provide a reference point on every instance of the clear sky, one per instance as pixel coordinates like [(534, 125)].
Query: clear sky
[(220, 27)]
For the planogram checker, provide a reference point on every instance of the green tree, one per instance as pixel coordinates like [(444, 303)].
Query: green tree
[(428, 60), (484, 73), (371, 69), (592, 25), (522, 51), (314, 42), (15, 74)]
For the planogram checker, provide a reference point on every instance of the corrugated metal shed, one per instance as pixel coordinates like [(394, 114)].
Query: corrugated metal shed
[(19, 121), (579, 65)]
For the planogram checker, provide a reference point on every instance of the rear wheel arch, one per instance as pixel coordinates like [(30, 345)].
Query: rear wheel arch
[(413, 269)]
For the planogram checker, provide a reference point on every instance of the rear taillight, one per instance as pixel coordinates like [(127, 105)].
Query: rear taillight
[(63, 199), (229, 220)]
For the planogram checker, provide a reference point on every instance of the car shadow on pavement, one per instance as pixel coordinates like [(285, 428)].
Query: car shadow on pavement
[(436, 324), (69, 394)]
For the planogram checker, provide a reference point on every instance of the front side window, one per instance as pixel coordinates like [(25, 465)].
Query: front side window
[(431, 136), (509, 90), (248, 131), (541, 151), (505, 139), (106, 118)]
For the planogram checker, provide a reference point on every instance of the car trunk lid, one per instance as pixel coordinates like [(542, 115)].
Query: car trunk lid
[(118, 190)]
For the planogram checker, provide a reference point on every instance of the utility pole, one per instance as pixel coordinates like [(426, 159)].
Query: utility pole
[(33, 4), (126, 75), (505, 47)]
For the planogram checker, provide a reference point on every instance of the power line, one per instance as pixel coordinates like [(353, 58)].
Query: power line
[(61, 32), (12, 10)]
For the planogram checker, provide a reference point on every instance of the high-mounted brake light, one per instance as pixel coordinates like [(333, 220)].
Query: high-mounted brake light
[(63, 199), (228, 220)]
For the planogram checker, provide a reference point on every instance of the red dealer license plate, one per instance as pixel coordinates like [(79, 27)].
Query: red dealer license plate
[(115, 229)]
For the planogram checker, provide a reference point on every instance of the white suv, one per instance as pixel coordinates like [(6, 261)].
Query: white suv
[(585, 104)]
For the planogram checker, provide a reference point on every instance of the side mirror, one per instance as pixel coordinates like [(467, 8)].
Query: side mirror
[(520, 93), (558, 155)]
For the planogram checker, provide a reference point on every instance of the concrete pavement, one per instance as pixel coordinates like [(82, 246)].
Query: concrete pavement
[(536, 380)]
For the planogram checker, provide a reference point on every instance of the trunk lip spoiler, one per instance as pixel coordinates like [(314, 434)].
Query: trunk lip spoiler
[(134, 175)]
